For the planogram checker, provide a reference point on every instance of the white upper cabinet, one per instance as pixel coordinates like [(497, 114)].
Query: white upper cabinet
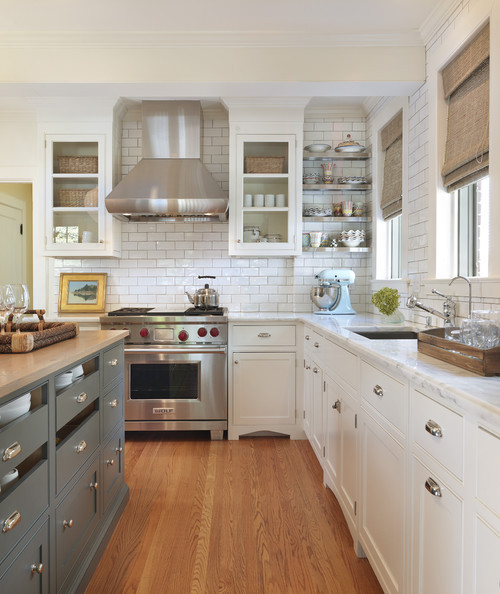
[(77, 180), (264, 180)]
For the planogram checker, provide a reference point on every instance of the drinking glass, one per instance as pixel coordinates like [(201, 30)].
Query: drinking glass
[(7, 302), (21, 303)]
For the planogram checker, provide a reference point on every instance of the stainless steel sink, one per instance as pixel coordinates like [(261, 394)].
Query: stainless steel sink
[(386, 334)]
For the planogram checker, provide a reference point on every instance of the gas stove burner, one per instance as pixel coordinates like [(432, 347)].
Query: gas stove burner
[(207, 311), (127, 311)]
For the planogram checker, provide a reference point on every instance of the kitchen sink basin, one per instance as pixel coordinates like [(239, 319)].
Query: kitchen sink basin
[(386, 334)]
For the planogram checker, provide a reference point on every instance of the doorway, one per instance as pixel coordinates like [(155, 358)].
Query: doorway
[(16, 233)]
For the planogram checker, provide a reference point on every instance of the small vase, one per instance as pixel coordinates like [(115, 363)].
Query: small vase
[(396, 317)]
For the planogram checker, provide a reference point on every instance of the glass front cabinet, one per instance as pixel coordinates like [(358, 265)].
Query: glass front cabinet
[(77, 223), (264, 195)]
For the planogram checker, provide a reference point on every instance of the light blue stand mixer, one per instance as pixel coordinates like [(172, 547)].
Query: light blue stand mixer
[(331, 295)]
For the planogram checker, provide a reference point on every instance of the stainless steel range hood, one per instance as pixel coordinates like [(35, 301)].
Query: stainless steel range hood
[(170, 181)]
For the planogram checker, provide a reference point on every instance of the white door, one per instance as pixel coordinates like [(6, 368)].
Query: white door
[(12, 240), (317, 437)]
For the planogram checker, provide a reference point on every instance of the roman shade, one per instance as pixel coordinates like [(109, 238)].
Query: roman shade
[(392, 144), (466, 88)]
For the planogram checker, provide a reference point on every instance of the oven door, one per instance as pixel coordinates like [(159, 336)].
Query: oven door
[(172, 384)]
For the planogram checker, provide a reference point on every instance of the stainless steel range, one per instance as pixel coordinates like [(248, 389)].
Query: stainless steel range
[(175, 368)]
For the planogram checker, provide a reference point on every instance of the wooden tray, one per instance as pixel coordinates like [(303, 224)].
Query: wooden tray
[(35, 335), (482, 361)]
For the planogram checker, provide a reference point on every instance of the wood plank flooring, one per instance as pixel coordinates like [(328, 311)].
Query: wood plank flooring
[(244, 517)]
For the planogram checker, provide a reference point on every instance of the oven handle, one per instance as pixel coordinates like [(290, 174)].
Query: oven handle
[(172, 351)]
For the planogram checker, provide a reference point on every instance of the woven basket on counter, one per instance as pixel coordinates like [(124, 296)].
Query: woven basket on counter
[(264, 164), (77, 164), (35, 335), (77, 198)]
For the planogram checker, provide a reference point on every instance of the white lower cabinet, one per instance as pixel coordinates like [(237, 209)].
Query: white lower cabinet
[(437, 533), (486, 577), (382, 502)]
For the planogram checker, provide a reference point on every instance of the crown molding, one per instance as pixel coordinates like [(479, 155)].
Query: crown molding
[(437, 18), (162, 39)]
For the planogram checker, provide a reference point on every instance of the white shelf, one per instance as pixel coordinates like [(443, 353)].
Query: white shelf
[(335, 187), (336, 219), (335, 156), (338, 249)]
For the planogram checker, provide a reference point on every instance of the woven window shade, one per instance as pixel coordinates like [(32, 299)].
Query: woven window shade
[(467, 89), (392, 143)]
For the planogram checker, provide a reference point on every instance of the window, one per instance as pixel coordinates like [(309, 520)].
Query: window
[(472, 208), (394, 251)]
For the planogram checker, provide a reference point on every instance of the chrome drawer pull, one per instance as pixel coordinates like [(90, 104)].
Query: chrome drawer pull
[(378, 390), (433, 487), (81, 397), (12, 521), (12, 451), (264, 335), (37, 568), (337, 406), (81, 447), (433, 428), (110, 462), (94, 486), (68, 524), (113, 362), (113, 403)]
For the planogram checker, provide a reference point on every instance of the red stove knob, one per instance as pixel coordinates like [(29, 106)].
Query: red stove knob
[(202, 332), (183, 336), (214, 332), (144, 332)]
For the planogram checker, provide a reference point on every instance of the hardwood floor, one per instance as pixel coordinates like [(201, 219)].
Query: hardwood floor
[(244, 517)]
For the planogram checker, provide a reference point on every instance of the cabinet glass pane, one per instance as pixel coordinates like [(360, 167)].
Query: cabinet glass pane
[(270, 223), (75, 157), (75, 227), (75, 193), (265, 157)]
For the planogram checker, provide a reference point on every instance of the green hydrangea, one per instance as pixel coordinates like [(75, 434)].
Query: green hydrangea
[(386, 300)]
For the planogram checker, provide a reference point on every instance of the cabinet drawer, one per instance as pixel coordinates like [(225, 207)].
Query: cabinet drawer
[(112, 466), (439, 431), (341, 363), (112, 364), (29, 571), (76, 449), (488, 477), (267, 335), (29, 498), (76, 397), (112, 407), (386, 394), (313, 342), (20, 439), (76, 518)]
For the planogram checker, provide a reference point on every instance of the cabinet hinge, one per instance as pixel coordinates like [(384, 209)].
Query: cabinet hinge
[(303, 414), (355, 508), (356, 421), (324, 450), (324, 386), (21, 229)]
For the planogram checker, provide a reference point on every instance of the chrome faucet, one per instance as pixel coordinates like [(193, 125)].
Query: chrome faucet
[(470, 291), (449, 307)]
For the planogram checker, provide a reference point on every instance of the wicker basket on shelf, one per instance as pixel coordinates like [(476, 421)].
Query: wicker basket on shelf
[(77, 164), (77, 198), (264, 164)]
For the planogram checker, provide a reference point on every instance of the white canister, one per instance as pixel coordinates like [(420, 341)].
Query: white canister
[(88, 237), (247, 200), (280, 200), (258, 200), (269, 200)]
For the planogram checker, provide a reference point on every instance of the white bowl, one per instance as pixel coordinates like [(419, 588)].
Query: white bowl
[(11, 477), (77, 372), (63, 380), (354, 242), (14, 409), (317, 148)]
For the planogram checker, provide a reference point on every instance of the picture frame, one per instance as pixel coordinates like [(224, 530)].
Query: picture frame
[(82, 292)]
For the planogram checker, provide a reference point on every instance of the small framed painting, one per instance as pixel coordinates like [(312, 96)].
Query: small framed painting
[(82, 292)]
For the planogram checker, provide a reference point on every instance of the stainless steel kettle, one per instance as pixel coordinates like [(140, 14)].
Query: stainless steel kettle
[(205, 298)]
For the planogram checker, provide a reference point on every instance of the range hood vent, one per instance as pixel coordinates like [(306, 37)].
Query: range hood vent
[(170, 181)]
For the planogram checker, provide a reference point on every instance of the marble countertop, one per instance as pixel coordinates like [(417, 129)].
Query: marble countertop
[(472, 392)]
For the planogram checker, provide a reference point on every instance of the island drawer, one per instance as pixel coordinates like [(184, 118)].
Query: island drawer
[(113, 364), (385, 394), (76, 518), (76, 449), (112, 407), (263, 336), (75, 398), (21, 505), (21, 438), (439, 431)]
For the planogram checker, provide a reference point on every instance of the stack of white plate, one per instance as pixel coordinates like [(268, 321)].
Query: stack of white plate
[(63, 380), (15, 408), (77, 372)]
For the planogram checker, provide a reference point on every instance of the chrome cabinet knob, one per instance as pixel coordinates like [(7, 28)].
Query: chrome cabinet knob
[(94, 486), (378, 391), (337, 406), (315, 370), (68, 524), (316, 344), (81, 397), (433, 487), (81, 447), (114, 403), (110, 462), (113, 362), (37, 568), (118, 450), (433, 428)]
